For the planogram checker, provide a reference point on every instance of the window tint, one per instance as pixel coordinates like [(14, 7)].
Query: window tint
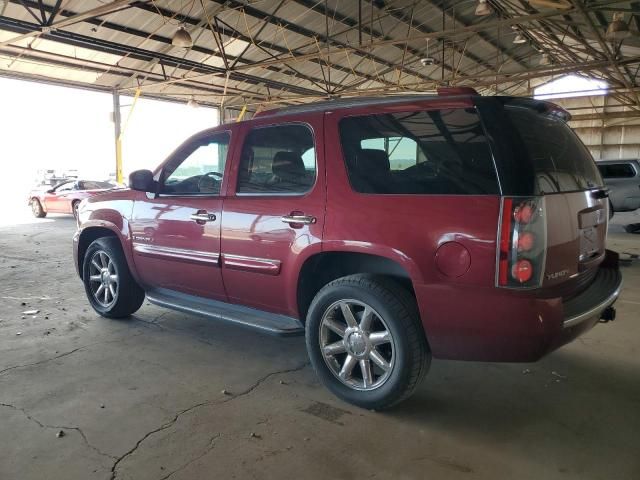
[(278, 159), (431, 152), (201, 171), (93, 185), (617, 170), (559, 159)]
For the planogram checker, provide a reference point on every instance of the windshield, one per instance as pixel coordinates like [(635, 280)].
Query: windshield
[(94, 185)]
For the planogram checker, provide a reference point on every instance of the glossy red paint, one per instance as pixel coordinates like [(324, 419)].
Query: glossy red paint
[(446, 244)]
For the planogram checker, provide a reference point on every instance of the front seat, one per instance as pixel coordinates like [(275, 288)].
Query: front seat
[(288, 170)]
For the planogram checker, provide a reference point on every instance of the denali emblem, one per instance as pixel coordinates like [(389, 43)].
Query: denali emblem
[(554, 275)]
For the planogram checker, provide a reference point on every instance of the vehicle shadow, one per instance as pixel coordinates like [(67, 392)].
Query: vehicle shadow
[(574, 406)]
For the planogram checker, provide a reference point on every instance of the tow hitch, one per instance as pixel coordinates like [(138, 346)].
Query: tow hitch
[(608, 315)]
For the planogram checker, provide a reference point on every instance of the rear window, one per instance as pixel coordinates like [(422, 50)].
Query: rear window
[(559, 159), (617, 170), (423, 152)]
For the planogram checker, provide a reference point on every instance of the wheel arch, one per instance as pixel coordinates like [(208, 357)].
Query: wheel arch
[(321, 268), (94, 231)]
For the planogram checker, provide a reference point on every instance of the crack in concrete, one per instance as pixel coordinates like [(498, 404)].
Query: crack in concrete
[(65, 354), (179, 331), (58, 427), (177, 416), (210, 447)]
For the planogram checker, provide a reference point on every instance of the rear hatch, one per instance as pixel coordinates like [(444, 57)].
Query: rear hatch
[(538, 156)]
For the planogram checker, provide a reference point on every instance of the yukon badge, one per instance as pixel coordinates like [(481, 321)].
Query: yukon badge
[(560, 274)]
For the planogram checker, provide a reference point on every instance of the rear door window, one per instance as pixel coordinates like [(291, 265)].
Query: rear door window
[(423, 152)]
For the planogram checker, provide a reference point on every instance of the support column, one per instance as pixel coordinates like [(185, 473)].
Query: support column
[(117, 124)]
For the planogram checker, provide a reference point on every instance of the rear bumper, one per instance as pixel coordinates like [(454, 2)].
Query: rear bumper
[(493, 324), (600, 295)]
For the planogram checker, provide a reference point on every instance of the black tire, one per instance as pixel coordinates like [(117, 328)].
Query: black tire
[(74, 208), (611, 212), (36, 208), (128, 295), (397, 310)]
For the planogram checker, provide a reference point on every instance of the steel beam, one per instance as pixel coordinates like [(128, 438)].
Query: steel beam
[(72, 38)]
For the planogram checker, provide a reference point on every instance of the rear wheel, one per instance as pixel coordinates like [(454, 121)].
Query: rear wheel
[(36, 209), (108, 283), (74, 208), (365, 341)]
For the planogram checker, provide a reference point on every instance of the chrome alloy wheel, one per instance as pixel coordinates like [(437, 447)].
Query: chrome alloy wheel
[(356, 345), (36, 208), (103, 279)]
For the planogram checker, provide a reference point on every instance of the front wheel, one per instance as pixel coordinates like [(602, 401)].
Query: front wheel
[(36, 209), (366, 342), (110, 288)]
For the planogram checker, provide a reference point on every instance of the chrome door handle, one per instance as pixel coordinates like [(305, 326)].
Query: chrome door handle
[(203, 217), (301, 219)]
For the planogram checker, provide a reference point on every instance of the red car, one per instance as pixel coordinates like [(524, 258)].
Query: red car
[(65, 197), (388, 230)]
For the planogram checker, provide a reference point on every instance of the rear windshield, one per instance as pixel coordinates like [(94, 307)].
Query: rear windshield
[(560, 161), (421, 152)]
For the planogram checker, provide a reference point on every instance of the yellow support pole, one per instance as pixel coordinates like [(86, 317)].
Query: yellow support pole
[(120, 131), (242, 112)]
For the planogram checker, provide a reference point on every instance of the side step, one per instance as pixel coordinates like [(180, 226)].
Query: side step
[(270, 323)]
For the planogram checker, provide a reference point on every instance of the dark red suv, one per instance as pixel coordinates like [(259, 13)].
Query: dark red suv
[(389, 230)]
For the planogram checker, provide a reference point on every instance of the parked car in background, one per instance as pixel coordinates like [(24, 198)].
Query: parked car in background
[(64, 197), (388, 230), (623, 179)]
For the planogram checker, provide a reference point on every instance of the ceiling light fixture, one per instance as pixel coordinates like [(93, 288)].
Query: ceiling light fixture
[(520, 39), (182, 38), (617, 29), (483, 8)]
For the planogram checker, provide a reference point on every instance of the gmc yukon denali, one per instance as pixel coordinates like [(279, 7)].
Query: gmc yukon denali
[(387, 230)]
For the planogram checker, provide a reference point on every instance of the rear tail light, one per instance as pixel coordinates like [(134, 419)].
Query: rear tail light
[(522, 242)]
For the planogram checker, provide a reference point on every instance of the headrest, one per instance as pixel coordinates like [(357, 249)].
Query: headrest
[(372, 160), (287, 165)]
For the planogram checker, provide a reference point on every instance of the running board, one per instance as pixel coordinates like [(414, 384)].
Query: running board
[(266, 322)]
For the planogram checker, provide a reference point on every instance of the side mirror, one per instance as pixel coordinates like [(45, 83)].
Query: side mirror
[(142, 180), (51, 190)]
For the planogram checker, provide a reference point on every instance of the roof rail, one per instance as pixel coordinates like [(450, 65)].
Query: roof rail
[(450, 91)]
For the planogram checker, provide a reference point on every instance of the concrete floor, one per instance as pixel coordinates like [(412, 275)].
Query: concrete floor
[(143, 398)]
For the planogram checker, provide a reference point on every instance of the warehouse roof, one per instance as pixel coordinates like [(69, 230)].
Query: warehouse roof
[(260, 52)]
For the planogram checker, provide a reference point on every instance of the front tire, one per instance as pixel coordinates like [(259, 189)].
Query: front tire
[(36, 209), (110, 288), (366, 342)]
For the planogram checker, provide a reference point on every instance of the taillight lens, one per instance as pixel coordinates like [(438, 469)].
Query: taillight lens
[(522, 242)]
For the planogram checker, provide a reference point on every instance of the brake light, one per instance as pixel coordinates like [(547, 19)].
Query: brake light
[(522, 271), (522, 242)]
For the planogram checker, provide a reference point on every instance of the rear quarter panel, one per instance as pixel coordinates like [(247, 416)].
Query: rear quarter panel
[(410, 229)]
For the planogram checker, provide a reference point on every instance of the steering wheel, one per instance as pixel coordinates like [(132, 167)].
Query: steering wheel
[(210, 176)]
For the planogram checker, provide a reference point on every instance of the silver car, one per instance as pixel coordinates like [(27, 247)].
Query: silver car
[(623, 179)]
